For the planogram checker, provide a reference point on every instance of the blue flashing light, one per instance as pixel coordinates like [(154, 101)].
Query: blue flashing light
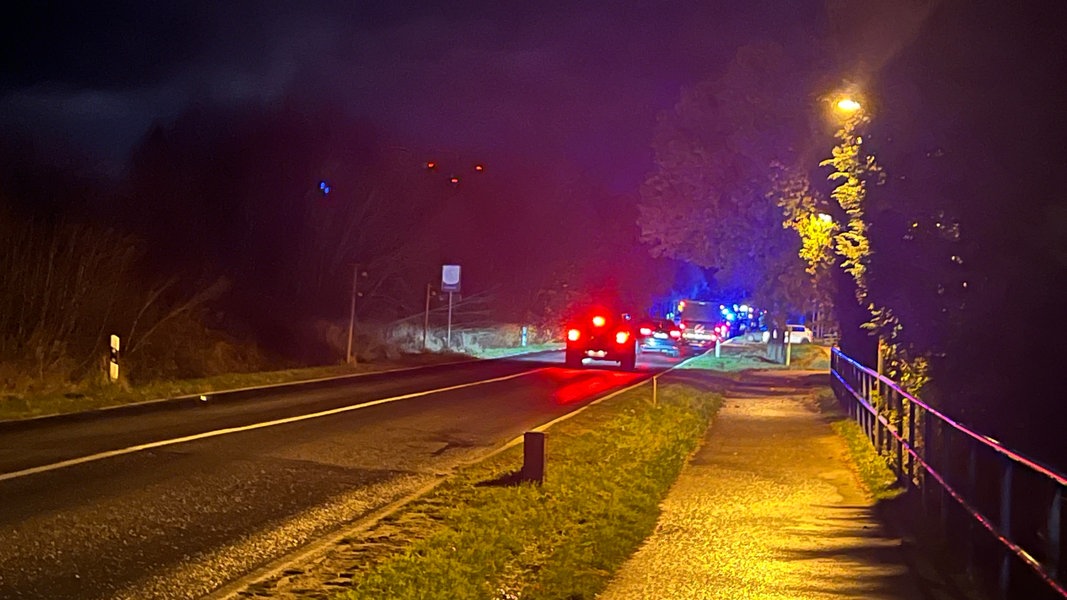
[(324, 187)]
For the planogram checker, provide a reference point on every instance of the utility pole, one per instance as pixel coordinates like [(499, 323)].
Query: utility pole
[(426, 316), (349, 357)]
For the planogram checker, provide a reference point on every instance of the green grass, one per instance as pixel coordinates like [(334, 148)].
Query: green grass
[(875, 474), (742, 357), (502, 352), (607, 470), (82, 398)]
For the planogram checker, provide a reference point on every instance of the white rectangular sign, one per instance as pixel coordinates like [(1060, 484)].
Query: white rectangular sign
[(450, 278)]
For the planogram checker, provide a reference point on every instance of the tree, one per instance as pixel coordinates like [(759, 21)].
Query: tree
[(807, 213), (708, 199)]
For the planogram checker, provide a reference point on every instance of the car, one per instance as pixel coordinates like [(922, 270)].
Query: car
[(660, 335), (602, 335), (798, 334)]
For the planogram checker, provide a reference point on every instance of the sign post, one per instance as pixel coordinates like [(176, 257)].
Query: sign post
[(426, 316), (450, 282)]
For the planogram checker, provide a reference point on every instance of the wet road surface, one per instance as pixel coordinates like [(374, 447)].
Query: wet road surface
[(178, 519)]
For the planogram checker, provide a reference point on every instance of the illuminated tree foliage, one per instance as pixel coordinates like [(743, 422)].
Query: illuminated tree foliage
[(804, 212), (852, 169), (707, 201)]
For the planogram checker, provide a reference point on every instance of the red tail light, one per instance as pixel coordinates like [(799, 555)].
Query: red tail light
[(599, 321), (645, 331), (573, 335), (675, 333), (621, 337)]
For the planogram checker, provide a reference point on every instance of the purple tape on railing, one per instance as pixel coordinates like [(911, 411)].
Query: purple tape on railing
[(982, 519), (996, 446)]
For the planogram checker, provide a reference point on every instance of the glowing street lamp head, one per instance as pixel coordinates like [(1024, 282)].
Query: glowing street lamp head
[(848, 105)]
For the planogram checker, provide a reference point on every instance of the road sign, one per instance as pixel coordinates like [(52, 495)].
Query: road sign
[(450, 278)]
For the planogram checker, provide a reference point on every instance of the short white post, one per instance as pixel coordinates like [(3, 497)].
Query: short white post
[(113, 359)]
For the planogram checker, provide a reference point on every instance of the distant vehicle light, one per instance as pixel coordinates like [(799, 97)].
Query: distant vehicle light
[(573, 335), (621, 337), (599, 321), (676, 333), (646, 331), (681, 325)]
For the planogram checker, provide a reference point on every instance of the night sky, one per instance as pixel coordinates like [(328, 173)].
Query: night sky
[(559, 96), (577, 82)]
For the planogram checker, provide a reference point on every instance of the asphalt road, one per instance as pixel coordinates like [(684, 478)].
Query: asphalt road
[(177, 501)]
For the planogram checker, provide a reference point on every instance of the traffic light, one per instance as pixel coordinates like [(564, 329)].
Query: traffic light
[(431, 165)]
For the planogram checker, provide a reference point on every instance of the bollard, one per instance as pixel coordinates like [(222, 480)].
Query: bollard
[(533, 456)]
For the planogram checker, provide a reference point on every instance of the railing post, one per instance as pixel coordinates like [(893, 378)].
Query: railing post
[(879, 435), (912, 463), (898, 426), (927, 453), (1005, 528), (1054, 514), (971, 492), (945, 451)]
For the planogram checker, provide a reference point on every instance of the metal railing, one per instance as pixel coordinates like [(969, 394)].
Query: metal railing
[(1001, 510)]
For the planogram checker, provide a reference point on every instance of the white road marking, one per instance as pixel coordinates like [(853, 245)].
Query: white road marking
[(218, 432)]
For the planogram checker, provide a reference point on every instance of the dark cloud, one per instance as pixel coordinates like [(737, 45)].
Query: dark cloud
[(580, 81)]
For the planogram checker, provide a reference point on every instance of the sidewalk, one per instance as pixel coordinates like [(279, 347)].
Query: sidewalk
[(768, 508)]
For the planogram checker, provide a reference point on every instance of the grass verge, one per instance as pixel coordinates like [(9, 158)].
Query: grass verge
[(735, 358), (481, 536), (24, 406), (502, 352), (871, 467)]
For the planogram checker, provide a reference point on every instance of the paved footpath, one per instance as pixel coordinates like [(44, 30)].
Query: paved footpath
[(768, 508)]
